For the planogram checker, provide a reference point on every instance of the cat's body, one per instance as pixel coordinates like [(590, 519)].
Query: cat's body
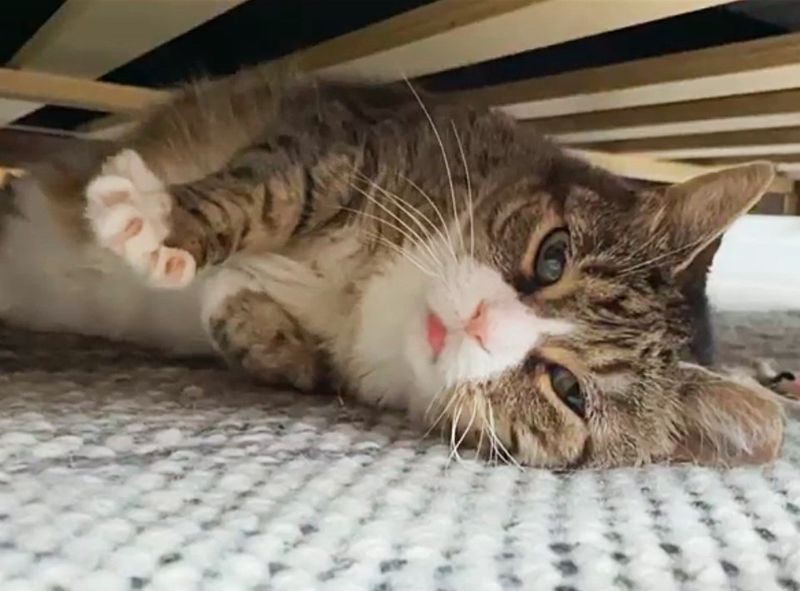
[(318, 233)]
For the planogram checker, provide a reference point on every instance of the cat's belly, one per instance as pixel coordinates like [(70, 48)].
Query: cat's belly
[(47, 283), (96, 301)]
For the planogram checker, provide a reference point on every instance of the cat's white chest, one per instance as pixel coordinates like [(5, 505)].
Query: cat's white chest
[(389, 312), (340, 293), (318, 282)]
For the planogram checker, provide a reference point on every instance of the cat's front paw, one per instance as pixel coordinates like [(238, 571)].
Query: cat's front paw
[(128, 209)]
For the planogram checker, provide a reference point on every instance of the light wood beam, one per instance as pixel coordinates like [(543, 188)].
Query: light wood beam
[(448, 34), (760, 54), (791, 202), (400, 30), (660, 171), (69, 91), (779, 102), (729, 160), (403, 29), (723, 139), (453, 37), (89, 38)]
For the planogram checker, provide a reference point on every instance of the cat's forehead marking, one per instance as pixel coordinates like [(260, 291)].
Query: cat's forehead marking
[(506, 209), (583, 193)]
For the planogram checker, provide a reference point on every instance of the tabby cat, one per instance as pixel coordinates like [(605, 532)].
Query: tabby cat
[(422, 255)]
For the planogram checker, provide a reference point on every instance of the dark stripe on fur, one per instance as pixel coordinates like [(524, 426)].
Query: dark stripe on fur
[(309, 190)]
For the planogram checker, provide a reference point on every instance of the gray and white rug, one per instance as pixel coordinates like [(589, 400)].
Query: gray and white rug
[(121, 471)]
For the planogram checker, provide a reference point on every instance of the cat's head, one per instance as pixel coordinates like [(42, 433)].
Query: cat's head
[(550, 327)]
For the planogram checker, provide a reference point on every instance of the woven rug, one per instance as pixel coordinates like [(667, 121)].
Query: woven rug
[(119, 470)]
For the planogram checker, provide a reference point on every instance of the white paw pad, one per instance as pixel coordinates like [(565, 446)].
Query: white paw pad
[(128, 209)]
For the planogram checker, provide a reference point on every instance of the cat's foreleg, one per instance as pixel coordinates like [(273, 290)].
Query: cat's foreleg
[(167, 233), (259, 202), (256, 335)]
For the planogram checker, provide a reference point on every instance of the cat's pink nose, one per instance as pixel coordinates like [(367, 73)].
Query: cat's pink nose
[(478, 324)]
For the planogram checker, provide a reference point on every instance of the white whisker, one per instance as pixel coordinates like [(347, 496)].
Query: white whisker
[(384, 240), (444, 233), (470, 203), (482, 433), (509, 457), (415, 215), (441, 414), (420, 241), (444, 156), (466, 430), (410, 210), (404, 253), (453, 431)]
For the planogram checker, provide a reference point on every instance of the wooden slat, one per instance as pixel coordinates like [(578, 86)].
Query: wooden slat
[(729, 160), (400, 30), (88, 38), (403, 29), (451, 33), (779, 102), (749, 152), (723, 139), (514, 28), (771, 52), (791, 202), (770, 204), (69, 91), (659, 171)]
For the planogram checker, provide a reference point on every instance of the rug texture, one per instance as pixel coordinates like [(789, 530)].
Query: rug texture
[(121, 471)]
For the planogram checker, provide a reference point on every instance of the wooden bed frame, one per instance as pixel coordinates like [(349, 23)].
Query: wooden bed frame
[(661, 119)]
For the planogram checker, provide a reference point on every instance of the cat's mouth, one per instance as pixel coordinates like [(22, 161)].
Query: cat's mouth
[(435, 333)]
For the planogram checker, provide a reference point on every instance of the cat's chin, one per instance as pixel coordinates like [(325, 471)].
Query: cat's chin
[(437, 369)]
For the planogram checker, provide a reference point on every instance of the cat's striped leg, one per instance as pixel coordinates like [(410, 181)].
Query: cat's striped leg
[(258, 203), (255, 334), (167, 233)]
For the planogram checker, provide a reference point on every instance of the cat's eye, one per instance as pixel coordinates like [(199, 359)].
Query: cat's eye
[(566, 386), (551, 259)]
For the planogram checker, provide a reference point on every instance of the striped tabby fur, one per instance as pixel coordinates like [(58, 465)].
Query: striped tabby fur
[(316, 233)]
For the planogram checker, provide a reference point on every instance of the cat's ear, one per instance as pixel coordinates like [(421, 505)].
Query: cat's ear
[(695, 213), (726, 420)]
